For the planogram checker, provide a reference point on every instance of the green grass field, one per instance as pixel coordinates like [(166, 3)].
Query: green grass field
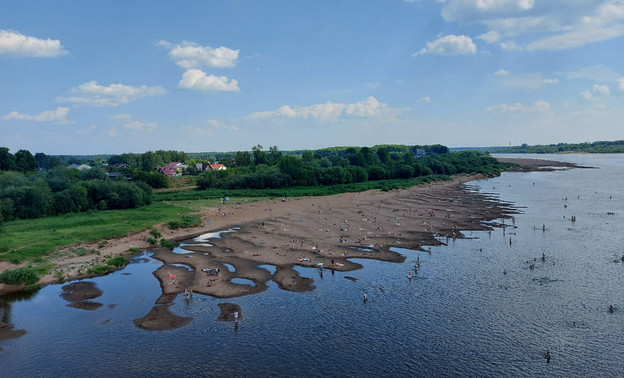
[(33, 239)]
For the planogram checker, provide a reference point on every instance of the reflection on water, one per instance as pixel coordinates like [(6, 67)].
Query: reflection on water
[(475, 307)]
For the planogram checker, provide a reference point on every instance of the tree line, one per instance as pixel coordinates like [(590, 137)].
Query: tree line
[(29, 193), (599, 147), (260, 169), (61, 190)]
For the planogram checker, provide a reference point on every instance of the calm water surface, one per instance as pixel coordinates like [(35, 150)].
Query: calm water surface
[(460, 316)]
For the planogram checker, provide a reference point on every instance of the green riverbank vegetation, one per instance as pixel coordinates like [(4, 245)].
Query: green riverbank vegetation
[(45, 210)]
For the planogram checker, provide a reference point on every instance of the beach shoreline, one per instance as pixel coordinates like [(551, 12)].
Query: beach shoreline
[(305, 232)]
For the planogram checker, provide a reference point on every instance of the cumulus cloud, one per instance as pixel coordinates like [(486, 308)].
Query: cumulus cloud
[(501, 72), (329, 111), (197, 79), (620, 82), (93, 94), (58, 116), (425, 99), (18, 45), (191, 55), (140, 126), (538, 106), (551, 24), (597, 92), (449, 45)]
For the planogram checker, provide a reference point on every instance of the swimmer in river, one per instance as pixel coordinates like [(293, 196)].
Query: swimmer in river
[(611, 308), (365, 297), (548, 355)]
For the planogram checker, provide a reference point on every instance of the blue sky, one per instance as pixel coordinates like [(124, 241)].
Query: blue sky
[(98, 77)]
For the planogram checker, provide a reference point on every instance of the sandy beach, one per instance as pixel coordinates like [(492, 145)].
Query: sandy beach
[(327, 233)]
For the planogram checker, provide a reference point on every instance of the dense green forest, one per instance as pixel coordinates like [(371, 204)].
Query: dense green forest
[(34, 186), (600, 147)]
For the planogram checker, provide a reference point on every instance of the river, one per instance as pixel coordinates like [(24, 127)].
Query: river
[(479, 306)]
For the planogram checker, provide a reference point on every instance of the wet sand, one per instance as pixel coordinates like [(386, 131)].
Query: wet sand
[(326, 233)]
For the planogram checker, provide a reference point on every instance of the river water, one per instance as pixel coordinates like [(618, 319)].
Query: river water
[(475, 308)]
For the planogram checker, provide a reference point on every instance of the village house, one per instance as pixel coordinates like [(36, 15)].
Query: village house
[(203, 167), (172, 169)]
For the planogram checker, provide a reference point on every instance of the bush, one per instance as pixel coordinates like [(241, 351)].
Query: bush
[(99, 269), (151, 240), (155, 233), (167, 244), (18, 276), (185, 221), (118, 261)]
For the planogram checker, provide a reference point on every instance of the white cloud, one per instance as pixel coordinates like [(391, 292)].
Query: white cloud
[(620, 82), (112, 132), (551, 24), (191, 55), (510, 46), (538, 106), (449, 45), (222, 125), (92, 94), (58, 116), (501, 72), (596, 93), (425, 99), (528, 82), (19, 45), (598, 72), (197, 79), (491, 36), (330, 111), (367, 108), (141, 126)]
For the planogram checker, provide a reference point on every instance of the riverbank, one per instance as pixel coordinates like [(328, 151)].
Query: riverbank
[(306, 232)]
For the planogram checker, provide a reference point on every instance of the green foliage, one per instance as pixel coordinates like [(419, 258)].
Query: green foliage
[(184, 221), (118, 261), (167, 244), (152, 241), (99, 269), (155, 233), (23, 240), (25, 161), (24, 275)]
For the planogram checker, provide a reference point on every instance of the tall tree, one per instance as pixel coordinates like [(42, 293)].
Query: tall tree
[(274, 155), (260, 157), (25, 161), (7, 160)]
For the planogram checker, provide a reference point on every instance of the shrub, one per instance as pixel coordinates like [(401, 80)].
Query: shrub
[(155, 233), (166, 244), (118, 261), (19, 276), (99, 269), (151, 240)]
